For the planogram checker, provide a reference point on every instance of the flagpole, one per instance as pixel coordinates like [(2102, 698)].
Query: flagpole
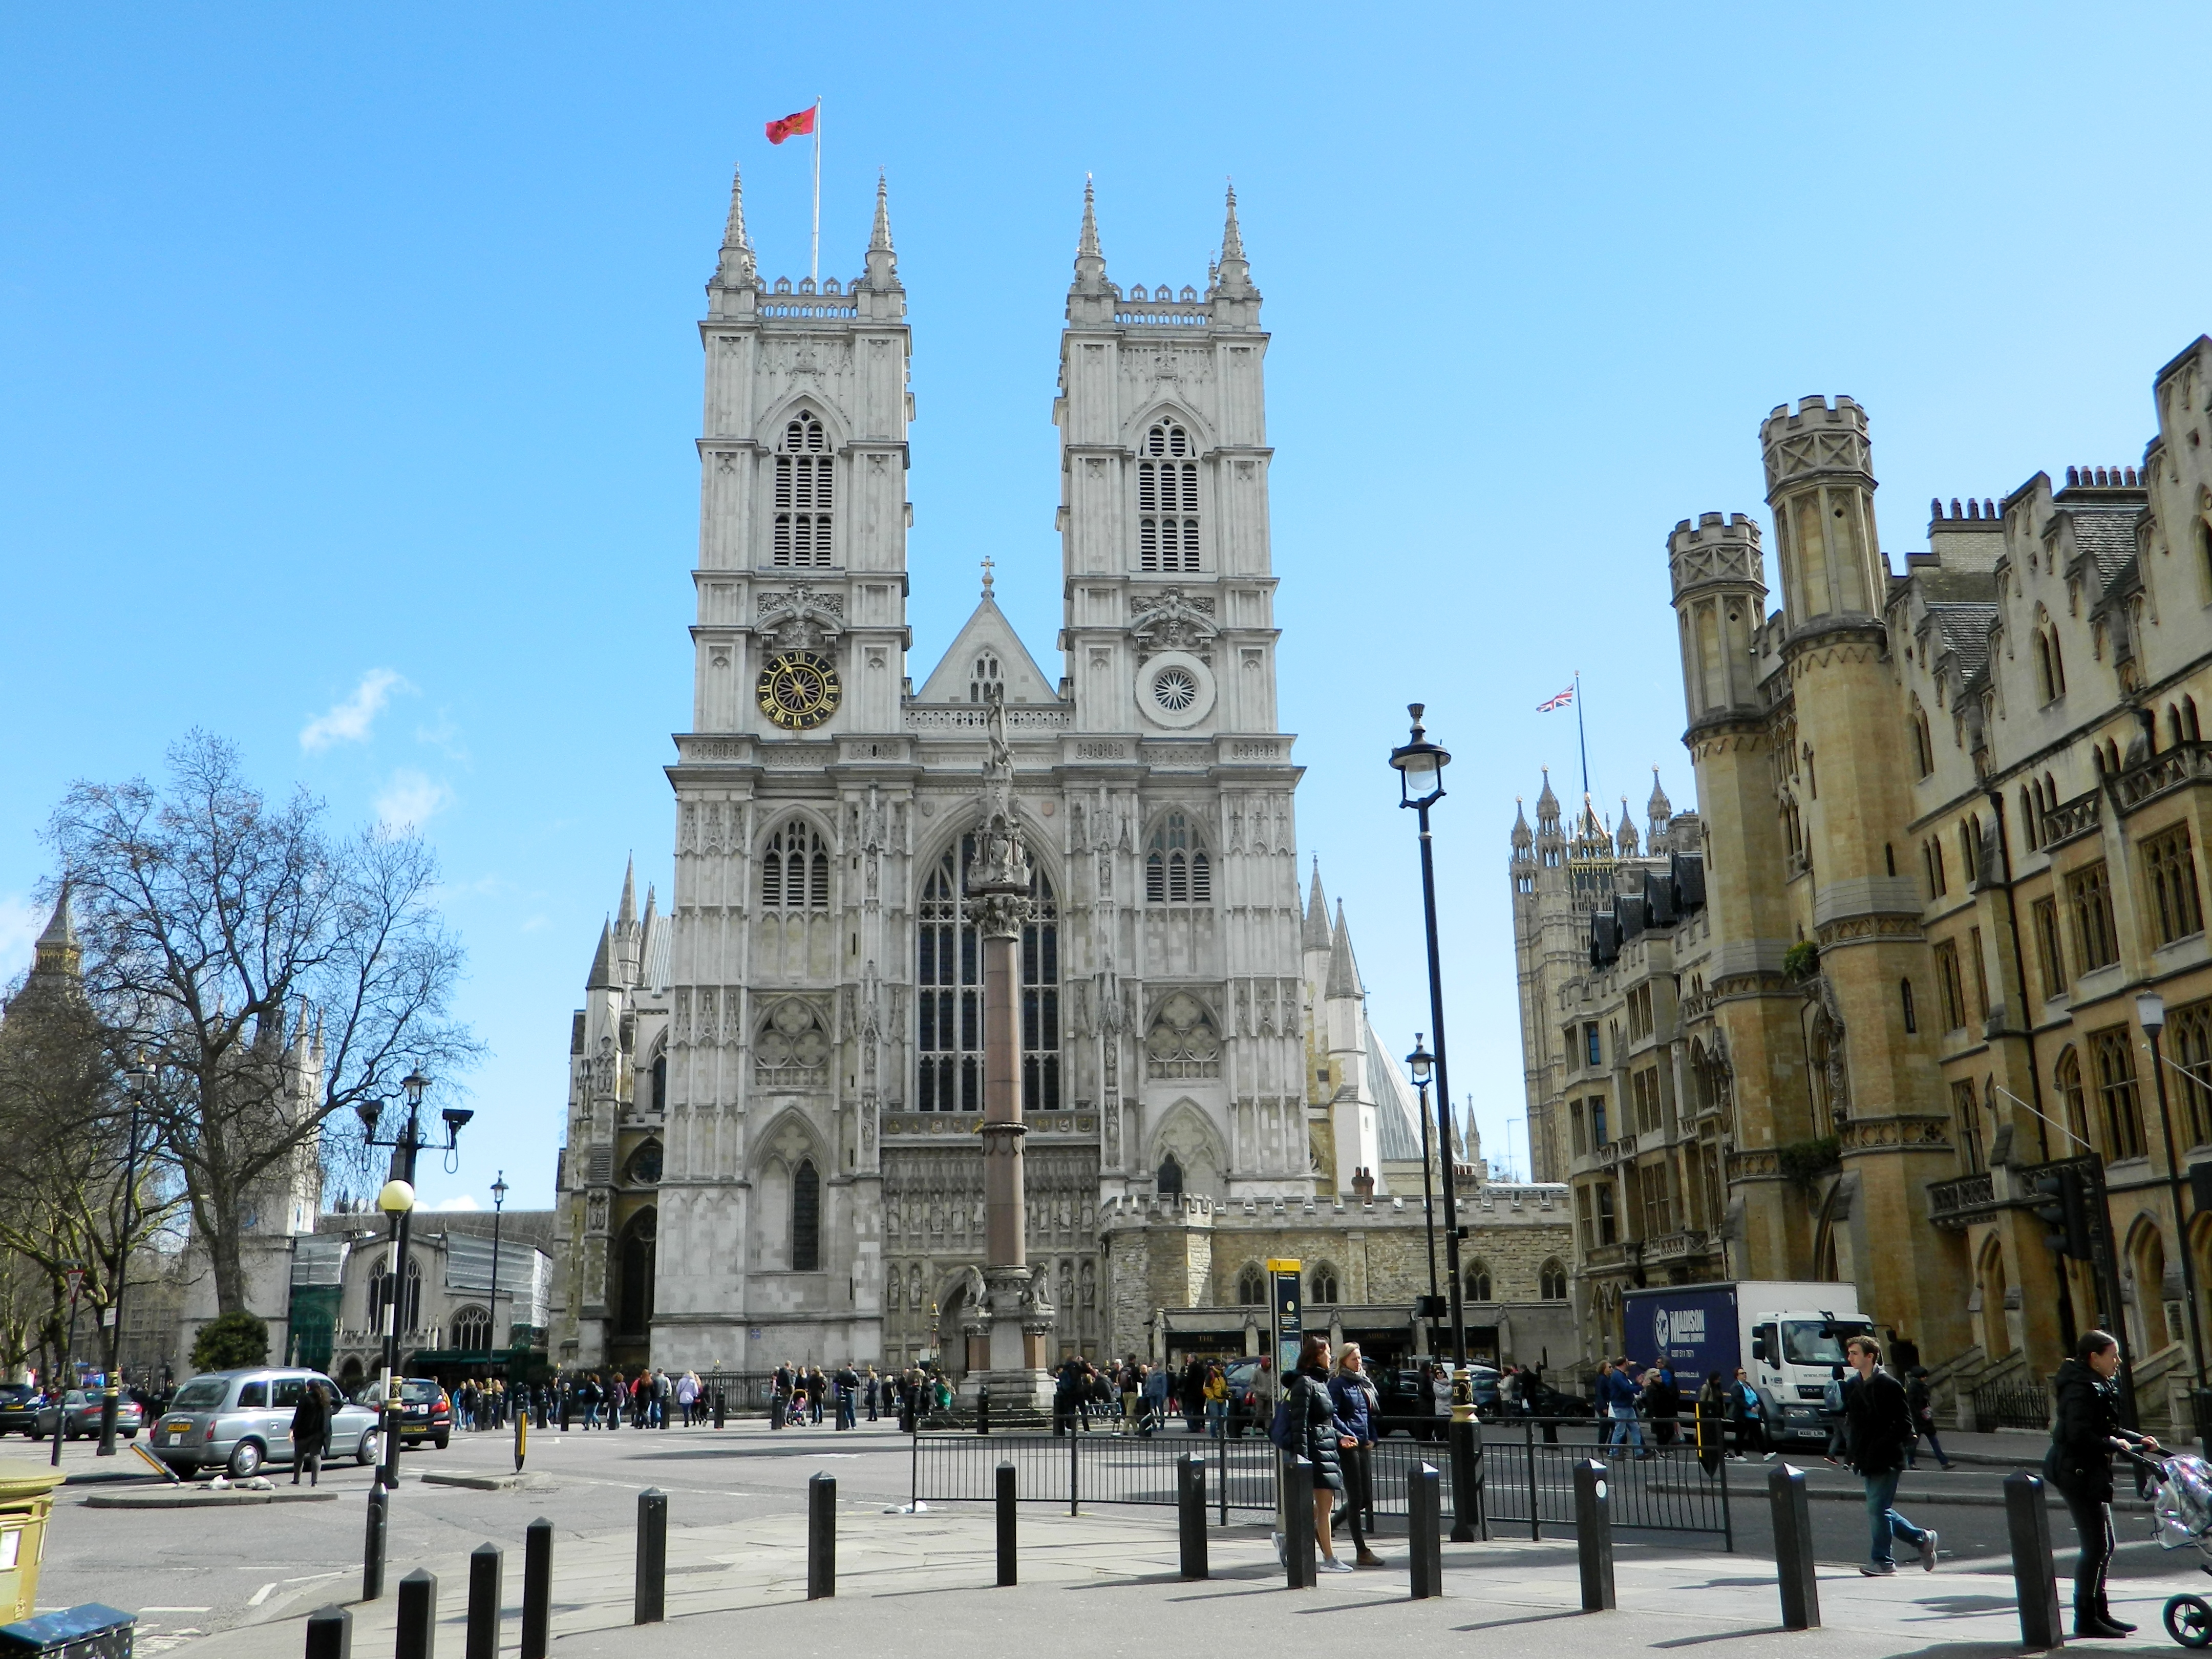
[(1581, 741), (814, 258)]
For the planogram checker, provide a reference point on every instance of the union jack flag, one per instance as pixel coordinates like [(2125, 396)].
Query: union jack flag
[(1560, 702)]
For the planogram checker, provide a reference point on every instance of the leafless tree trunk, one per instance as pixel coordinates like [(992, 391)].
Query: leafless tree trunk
[(275, 974)]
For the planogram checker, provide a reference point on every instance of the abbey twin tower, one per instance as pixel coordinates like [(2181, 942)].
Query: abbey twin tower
[(776, 1084)]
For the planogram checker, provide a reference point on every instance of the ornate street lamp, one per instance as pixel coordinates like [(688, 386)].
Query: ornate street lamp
[(140, 1079), (1419, 1065), (1420, 767), (499, 1191)]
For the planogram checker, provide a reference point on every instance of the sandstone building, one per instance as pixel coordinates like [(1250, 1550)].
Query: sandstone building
[(1951, 820)]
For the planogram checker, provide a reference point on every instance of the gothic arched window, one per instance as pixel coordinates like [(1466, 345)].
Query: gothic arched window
[(1552, 1280), (1176, 869), (983, 677), (804, 489), (795, 869), (659, 1076), (634, 1312), (380, 1289), (1251, 1288), (1167, 500), (949, 994), (1478, 1281), (1321, 1285), (805, 1218), (471, 1330)]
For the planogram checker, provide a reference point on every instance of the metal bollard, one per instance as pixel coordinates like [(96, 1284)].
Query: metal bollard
[(537, 1587), (564, 1411), (1467, 1480), (1190, 1514), (651, 1605), (1299, 1570), (482, 1641), (2035, 1583), (984, 1409), (821, 1537), (521, 1438), (1425, 1529), (1006, 1495), (372, 1555), (718, 1408), (1594, 1536), (418, 1616), (330, 1633), (1793, 1547)]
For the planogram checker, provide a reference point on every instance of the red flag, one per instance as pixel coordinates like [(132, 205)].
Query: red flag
[(800, 123)]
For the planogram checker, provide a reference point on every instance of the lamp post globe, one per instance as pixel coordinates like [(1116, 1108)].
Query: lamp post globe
[(396, 1198)]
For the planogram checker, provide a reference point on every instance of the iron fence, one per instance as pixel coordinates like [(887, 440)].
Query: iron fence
[(2012, 1405), (1520, 1479)]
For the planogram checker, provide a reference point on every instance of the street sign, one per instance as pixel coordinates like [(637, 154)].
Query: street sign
[(1287, 1307), (76, 1277)]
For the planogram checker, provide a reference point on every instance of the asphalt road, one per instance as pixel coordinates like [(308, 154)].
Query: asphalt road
[(194, 1571)]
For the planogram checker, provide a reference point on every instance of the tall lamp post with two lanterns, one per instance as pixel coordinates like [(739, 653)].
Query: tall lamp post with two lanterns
[(396, 1201), (1420, 767)]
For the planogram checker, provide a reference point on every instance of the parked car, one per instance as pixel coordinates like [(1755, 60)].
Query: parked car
[(1244, 1378), (19, 1408), (426, 1410), (1542, 1399), (239, 1420), (79, 1413)]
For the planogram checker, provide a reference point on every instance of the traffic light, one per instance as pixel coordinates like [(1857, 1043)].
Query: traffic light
[(2062, 1203)]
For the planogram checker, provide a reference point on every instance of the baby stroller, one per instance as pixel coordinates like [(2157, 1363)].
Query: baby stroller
[(2180, 1493)]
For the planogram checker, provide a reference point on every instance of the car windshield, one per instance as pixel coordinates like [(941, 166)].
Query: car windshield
[(1817, 1341), (202, 1393), (418, 1391)]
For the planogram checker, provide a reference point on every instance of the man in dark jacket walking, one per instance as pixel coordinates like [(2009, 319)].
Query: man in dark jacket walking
[(1877, 1428)]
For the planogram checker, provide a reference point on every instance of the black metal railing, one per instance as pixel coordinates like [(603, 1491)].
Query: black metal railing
[(2014, 1405), (1525, 1479)]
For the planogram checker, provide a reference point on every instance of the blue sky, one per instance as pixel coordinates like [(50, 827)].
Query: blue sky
[(351, 382)]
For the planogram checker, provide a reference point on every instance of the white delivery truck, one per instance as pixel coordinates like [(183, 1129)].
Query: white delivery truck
[(1788, 1336)]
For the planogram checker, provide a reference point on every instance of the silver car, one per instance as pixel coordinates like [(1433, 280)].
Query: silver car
[(239, 1420)]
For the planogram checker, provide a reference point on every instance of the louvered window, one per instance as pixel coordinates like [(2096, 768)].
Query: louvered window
[(1176, 868), (1167, 500), (805, 491), (795, 869)]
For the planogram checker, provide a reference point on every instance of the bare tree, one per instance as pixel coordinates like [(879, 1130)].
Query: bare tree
[(273, 974)]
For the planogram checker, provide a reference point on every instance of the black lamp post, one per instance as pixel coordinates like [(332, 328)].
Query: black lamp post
[(1417, 1066), (499, 1191), (2150, 1010), (141, 1078), (1421, 766), (74, 1273)]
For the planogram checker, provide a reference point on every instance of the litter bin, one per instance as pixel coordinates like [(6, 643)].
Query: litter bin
[(90, 1632), (27, 1497)]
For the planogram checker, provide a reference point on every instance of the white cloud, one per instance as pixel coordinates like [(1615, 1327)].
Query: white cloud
[(350, 721), (21, 921), (458, 1201), (412, 797)]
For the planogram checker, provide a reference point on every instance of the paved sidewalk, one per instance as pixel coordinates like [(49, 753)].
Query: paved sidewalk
[(1107, 1584)]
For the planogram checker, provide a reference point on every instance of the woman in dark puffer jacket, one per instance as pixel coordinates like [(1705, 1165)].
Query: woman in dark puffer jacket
[(2079, 1464), (1316, 1435)]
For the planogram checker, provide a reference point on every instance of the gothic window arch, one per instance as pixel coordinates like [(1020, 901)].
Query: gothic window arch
[(644, 1169), (984, 677), (471, 1331), (1251, 1287), (1177, 870), (949, 993), (380, 1292), (795, 869), (791, 1047), (1167, 499), (658, 1076), (2068, 1076), (2049, 662), (804, 495), (1183, 1042), (805, 1218), (1479, 1286), (1552, 1280), (634, 1306), (1924, 752), (1322, 1285)]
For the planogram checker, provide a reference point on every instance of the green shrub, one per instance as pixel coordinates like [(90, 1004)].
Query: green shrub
[(231, 1340)]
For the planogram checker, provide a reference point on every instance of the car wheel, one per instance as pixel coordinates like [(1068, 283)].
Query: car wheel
[(246, 1459), (130, 1434), (444, 1440), (366, 1453)]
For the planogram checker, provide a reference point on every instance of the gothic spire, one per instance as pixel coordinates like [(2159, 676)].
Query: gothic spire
[(56, 950), (626, 911), (1343, 968), (1523, 840), (1089, 258), (882, 263), (602, 977), (737, 269), (1233, 276), (1315, 936), (1626, 837)]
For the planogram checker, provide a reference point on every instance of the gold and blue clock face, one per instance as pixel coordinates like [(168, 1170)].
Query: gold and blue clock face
[(799, 690)]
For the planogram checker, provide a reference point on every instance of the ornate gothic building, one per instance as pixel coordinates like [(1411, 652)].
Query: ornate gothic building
[(772, 1149)]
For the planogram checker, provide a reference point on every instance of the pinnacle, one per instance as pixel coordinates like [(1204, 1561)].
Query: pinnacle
[(626, 911), (61, 927), (602, 975), (1089, 242), (737, 269), (880, 242), (1315, 935), (1343, 968), (1232, 237)]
